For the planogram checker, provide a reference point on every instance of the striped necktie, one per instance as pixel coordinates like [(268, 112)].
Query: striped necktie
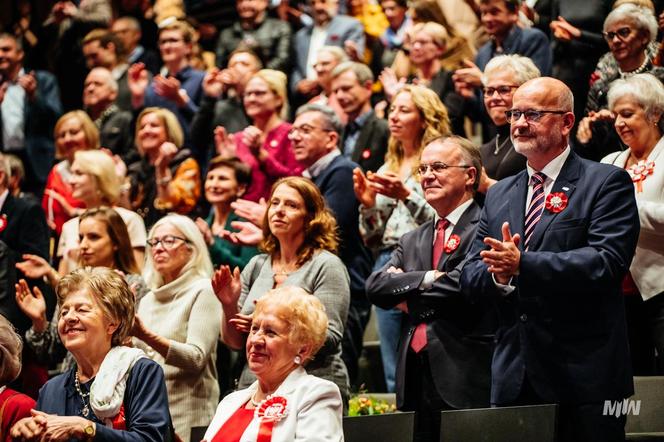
[(535, 208)]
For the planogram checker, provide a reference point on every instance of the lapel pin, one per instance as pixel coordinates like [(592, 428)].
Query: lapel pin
[(565, 189)]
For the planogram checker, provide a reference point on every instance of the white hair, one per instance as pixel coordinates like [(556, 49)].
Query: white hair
[(642, 18), (645, 89), (199, 265), (521, 67)]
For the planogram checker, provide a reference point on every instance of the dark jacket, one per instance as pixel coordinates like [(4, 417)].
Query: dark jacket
[(371, 145)]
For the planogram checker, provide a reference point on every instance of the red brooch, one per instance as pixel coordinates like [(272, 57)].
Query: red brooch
[(3, 222), (334, 37), (639, 172), (556, 202), (594, 77), (272, 408), (452, 243), (366, 153)]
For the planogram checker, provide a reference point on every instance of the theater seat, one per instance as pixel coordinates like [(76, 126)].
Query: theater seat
[(393, 427), (648, 425)]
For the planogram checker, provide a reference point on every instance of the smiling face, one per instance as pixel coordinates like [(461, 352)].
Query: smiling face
[(446, 189), (95, 244), (270, 353), (632, 124), (169, 262), (629, 47), (173, 47), (325, 63), (70, 138), (324, 10), (84, 185), (309, 139), (10, 56), (405, 121), (286, 212), (97, 55), (350, 93), (503, 84), (97, 93), (259, 100), (250, 10), (151, 133), (82, 325), (394, 13), (423, 49), (496, 18), (245, 65), (221, 186)]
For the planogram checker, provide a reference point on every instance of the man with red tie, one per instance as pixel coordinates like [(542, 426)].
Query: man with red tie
[(446, 345), (552, 247)]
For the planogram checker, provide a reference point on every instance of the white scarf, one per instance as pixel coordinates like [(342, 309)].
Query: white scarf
[(107, 390)]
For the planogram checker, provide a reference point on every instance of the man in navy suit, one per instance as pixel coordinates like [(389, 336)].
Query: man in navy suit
[(315, 135), (553, 245), (446, 343)]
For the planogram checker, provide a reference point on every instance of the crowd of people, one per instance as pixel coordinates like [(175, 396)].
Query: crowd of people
[(202, 206)]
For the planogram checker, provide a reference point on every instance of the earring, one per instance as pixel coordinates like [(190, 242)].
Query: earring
[(297, 360)]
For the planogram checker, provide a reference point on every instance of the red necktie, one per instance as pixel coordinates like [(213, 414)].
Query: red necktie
[(419, 340)]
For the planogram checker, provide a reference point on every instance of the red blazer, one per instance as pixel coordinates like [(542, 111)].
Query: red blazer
[(15, 406)]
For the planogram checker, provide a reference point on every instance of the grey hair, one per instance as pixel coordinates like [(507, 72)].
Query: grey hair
[(469, 152), (566, 100), (361, 70), (330, 118), (110, 81), (336, 51), (645, 89), (131, 21), (521, 67), (199, 265), (641, 17), (6, 169), (10, 352)]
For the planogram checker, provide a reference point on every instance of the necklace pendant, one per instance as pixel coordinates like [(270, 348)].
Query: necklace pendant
[(85, 411)]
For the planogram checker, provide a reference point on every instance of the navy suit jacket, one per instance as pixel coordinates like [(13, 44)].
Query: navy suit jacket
[(564, 323), (340, 29), (459, 328), (336, 185)]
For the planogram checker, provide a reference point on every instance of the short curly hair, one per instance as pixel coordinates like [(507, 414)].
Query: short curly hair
[(109, 290), (320, 225), (304, 313), (10, 352), (436, 123)]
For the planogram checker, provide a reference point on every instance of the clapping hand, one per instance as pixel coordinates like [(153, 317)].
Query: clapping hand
[(391, 84), (137, 81), (248, 234), (166, 154), (504, 256), (169, 88), (364, 193), (32, 304), (227, 286), (242, 323), (467, 79), (388, 184), (253, 138), (223, 142), (29, 84), (250, 210)]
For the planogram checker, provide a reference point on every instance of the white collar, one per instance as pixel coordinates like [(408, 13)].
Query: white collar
[(553, 168), (3, 198), (454, 216)]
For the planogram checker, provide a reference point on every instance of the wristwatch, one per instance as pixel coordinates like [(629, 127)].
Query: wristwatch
[(90, 430)]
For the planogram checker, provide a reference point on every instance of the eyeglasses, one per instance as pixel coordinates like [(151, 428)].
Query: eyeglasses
[(531, 115), (169, 241), (502, 90), (305, 130), (163, 41), (621, 33), (437, 167)]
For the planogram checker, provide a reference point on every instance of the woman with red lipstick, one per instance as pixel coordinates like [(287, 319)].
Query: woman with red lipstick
[(287, 330), (391, 200), (264, 145), (74, 131), (300, 241), (638, 106), (113, 392)]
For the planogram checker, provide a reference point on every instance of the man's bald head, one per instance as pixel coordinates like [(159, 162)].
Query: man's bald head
[(552, 91)]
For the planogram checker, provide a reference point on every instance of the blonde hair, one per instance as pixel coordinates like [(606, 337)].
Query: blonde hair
[(102, 167), (170, 122), (435, 30), (89, 130), (304, 313), (277, 82), (10, 352), (109, 290), (435, 119)]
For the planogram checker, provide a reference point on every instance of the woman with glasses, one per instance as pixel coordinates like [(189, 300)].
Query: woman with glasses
[(177, 323), (391, 200), (103, 242), (300, 241), (630, 31), (502, 76), (264, 145)]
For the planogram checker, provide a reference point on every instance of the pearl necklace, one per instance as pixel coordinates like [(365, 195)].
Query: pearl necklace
[(641, 69), (77, 384)]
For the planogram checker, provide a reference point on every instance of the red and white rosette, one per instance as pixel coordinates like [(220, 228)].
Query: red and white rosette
[(452, 243), (3, 222), (639, 172), (270, 411), (556, 202)]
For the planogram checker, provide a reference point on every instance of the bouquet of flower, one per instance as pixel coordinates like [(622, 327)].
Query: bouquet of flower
[(363, 405)]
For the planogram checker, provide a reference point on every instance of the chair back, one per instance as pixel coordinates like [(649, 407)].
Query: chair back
[(391, 427), (644, 409), (503, 424), (197, 434)]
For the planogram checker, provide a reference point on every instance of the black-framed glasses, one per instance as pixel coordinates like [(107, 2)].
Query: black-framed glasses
[(531, 115), (437, 167), (168, 241), (305, 129), (502, 90), (621, 33)]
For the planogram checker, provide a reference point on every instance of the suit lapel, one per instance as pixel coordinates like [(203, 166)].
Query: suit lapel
[(565, 183), (465, 230), (363, 139), (517, 204), (425, 245)]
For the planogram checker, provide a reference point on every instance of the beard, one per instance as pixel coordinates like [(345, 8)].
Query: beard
[(539, 144)]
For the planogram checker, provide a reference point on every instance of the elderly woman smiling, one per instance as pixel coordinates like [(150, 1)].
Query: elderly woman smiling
[(178, 321), (288, 327), (114, 392), (638, 106)]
